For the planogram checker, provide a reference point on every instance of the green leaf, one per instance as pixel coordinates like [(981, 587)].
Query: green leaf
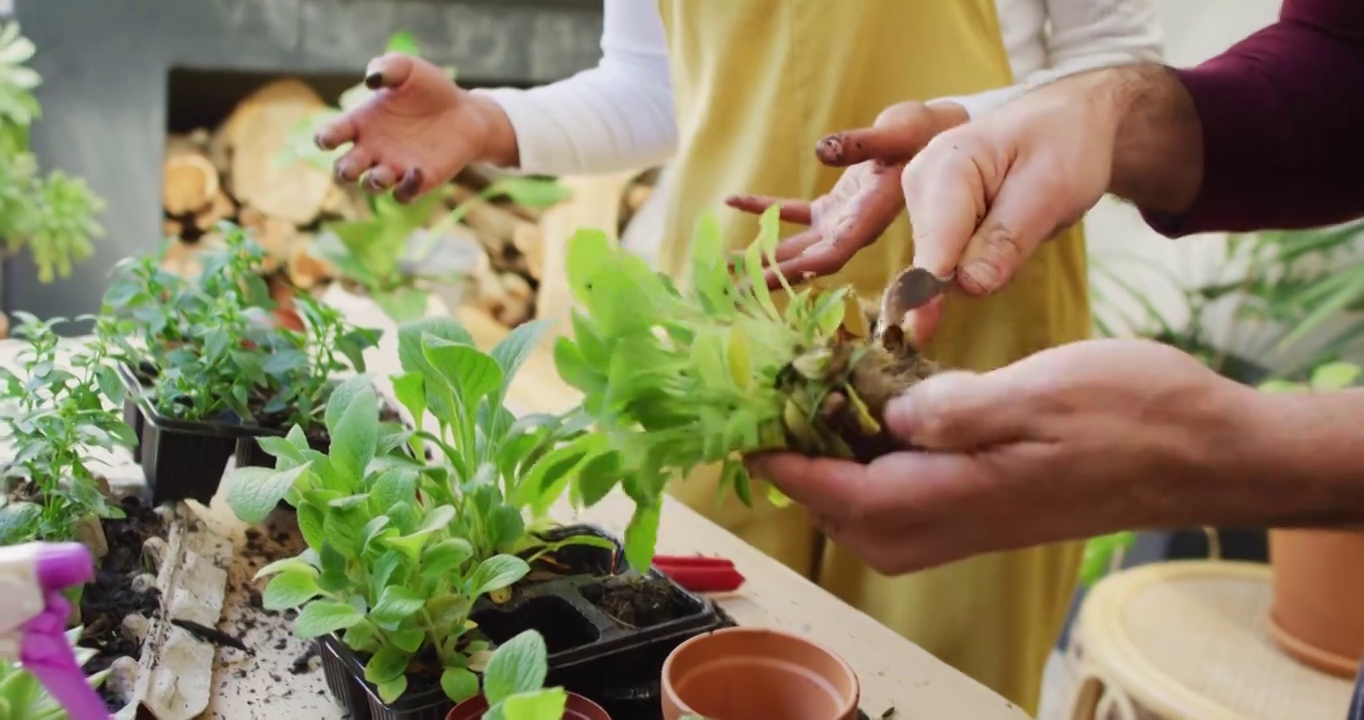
[(410, 335), (1335, 376), (495, 573), (409, 640), (445, 556), (410, 389), (355, 434), (459, 684), (383, 571), (402, 304), (291, 588), (390, 691), (389, 662), (310, 521), (546, 704), (518, 666), (394, 486), (471, 373), (530, 192), (294, 563), (395, 605), (341, 397), (321, 617), (405, 43), (286, 453), (642, 536), (254, 492)]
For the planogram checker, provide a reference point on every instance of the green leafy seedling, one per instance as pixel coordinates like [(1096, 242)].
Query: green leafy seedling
[(399, 547), (514, 681), (679, 379), (59, 419)]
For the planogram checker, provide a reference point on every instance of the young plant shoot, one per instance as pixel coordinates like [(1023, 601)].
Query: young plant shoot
[(400, 548), (677, 380), (59, 417), (514, 682), (385, 567), (213, 346)]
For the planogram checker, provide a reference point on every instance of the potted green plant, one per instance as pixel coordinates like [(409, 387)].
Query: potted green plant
[(484, 498), (212, 370), (513, 688), (61, 423), (53, 216), (1318, 573), (59, 417)]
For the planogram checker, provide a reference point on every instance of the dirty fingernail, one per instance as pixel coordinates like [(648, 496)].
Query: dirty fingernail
[(830, 149), (408, 185), (374, 79), (321, 140)]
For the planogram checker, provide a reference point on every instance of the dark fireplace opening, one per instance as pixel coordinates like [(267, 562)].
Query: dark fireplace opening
[(204, 98)]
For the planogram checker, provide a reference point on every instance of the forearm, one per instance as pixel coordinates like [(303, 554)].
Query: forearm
[(1298, 462), (618, 115), (1272, 125)]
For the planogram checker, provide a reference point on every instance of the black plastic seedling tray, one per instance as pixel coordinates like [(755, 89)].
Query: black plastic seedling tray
[(180, 459), (590, 653)]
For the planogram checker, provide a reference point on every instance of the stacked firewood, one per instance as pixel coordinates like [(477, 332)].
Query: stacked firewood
[(234, 172)]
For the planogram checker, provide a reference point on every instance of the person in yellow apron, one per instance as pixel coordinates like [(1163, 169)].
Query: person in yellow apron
[(736, 93)]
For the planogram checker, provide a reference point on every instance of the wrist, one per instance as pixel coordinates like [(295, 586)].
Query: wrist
[(1295, 459), (1157, 138), (500, 147)]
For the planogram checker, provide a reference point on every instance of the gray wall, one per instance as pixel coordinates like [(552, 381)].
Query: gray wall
[(105, 65)]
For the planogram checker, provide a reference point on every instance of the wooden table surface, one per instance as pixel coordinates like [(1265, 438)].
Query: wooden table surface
[(895, 673)]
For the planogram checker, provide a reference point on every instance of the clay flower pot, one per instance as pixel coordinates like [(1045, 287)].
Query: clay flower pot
[(743, 673), (577, 708), (1318, 584)]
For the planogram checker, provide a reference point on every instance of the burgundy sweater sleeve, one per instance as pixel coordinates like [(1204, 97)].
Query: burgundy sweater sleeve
[(1282, 116)]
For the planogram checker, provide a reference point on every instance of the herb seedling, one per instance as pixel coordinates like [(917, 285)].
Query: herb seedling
[(216, 351), (400, 548), (514, 682), (677, 379), (53, 216), (384, 567), (60, 416)]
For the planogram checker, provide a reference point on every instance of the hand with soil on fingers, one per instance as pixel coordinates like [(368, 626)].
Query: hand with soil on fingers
[(416, 131), (864, 201)]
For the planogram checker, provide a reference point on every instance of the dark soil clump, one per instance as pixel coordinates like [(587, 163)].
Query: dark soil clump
[(638, 602), (111, 597)]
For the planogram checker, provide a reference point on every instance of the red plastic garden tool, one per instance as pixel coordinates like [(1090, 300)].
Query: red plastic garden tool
[(700, 574)]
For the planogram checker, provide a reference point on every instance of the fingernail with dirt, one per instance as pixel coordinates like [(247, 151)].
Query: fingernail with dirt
[(374, 80), (830, 149), (408, 186)]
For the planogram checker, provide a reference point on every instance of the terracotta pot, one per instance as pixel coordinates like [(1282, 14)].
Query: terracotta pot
[(743, 673), (577, 708), (1318, 587)]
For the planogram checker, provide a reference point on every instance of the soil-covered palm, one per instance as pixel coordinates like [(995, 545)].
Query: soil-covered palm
[(414, 133)]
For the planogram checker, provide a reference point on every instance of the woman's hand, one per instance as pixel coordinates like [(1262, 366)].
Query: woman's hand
[(417, 131), (864, 201)]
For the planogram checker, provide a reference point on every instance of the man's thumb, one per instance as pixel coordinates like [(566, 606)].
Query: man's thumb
[(955, 411)]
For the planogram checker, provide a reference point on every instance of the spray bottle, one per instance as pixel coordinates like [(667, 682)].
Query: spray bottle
[(33, 615)]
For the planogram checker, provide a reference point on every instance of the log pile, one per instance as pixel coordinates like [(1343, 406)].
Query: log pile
[(233, 172)]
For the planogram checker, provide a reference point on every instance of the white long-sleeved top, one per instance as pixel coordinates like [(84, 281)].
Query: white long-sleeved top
[(619, 114)]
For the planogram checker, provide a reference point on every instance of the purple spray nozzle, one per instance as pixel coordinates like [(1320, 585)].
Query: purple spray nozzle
[(64, 565)]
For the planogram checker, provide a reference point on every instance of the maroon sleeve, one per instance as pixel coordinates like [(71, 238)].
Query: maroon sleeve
[(1282, 116)]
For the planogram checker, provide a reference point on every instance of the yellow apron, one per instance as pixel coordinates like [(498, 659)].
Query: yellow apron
[(758, 82)]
